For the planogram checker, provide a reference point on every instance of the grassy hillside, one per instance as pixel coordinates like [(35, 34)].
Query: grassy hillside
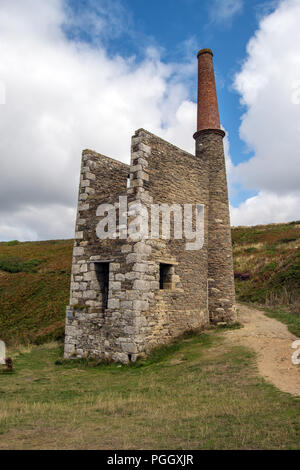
[(270, 256), (34, 288), (35, 277)]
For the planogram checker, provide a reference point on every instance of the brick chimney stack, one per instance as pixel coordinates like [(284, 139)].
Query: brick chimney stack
[(207, 110), (210, 152)]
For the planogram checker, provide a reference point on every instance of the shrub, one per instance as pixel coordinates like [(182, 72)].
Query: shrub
[(251, 249), (17, 265), (287, 240), (291, 275), (269, 267)]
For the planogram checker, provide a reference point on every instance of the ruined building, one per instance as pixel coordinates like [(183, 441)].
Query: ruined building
[(132, 293)]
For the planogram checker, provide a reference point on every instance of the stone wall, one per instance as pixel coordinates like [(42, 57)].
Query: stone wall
[(139, 314), (89, 328), (175, 177)]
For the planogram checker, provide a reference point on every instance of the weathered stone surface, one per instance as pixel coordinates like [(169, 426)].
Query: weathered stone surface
[(2, 352)]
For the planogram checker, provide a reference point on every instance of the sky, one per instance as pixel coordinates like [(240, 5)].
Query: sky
[(78, 74)]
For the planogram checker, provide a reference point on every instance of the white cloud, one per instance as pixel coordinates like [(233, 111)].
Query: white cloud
[(63, 96), (223, 11), (266, 208), (97, 20), (269, 86), (230, 168), (47, 222)]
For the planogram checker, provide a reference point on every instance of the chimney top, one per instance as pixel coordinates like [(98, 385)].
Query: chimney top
[(205, 51)]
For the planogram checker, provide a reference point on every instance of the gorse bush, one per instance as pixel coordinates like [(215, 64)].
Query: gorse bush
[(269, 267), (17, 265), (290, 276), (12, 243), (287, 240)]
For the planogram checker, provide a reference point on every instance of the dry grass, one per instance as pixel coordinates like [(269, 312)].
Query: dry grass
[(248, 247), (189, 396)]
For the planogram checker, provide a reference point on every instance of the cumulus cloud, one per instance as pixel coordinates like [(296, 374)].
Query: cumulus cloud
[(266, 208), (223, 11), (63, 96), (270, 90), (97, 20)]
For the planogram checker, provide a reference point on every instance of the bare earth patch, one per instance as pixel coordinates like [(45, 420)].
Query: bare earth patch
[(272, 342)]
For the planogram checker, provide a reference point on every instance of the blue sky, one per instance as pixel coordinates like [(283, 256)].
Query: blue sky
[(75, 74)]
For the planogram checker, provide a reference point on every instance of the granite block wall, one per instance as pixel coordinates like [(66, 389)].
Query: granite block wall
[(141, 289)]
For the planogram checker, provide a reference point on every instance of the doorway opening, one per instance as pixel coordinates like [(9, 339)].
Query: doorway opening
[(165, 276)]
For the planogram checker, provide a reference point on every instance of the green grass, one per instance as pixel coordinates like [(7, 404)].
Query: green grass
[(291, 320), (197, 393)]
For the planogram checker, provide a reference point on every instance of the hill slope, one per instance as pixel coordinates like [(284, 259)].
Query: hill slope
[(268, 258), (34, 289), (35, 277)]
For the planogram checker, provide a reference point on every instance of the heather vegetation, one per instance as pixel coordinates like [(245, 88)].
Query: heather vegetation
[(270, 255), (35, 279), (34, 287)]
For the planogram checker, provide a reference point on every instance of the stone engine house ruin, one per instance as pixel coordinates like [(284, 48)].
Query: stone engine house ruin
[(129, 295)]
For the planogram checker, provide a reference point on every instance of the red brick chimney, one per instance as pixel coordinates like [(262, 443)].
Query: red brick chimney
[(208, 111), (210, 153)]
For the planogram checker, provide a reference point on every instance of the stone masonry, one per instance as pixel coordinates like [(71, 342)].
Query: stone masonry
[(130, 293)]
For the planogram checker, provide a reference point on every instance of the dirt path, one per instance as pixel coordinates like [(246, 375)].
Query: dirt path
[(272, 342)]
